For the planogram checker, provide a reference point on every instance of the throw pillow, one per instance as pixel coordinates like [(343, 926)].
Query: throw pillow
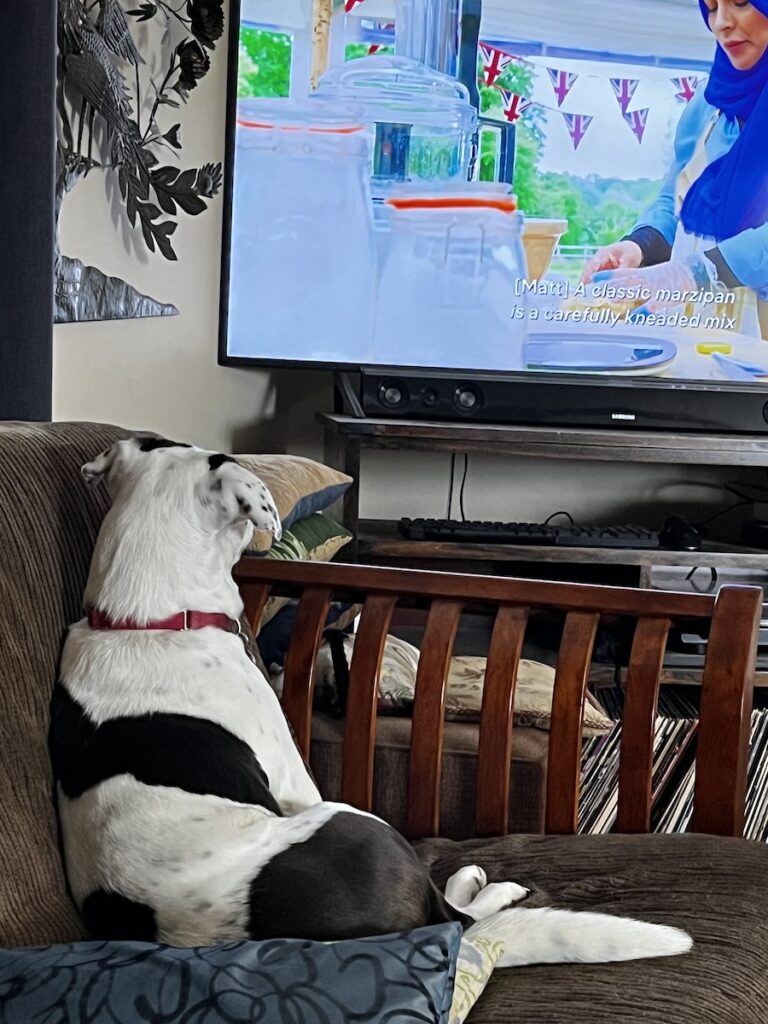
[(408, 976), (477, 958), (533, 695), (299, 487), (316, 538), (464, 690)]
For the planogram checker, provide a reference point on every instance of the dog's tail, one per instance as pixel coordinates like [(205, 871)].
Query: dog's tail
[(547, 936)]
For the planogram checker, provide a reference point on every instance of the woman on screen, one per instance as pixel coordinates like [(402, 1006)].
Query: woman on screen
[(710, 222)]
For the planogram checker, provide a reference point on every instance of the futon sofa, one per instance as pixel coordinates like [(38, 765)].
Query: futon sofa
[(709, 883)]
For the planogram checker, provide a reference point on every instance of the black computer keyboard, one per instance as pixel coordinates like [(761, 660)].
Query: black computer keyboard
[(560, 535)]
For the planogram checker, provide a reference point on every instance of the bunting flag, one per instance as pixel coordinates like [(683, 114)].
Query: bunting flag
[(637, 120), (515, 105), (495, 63), (577, 125), (562, 83), (686, 88), (350, 5), (624, 90)]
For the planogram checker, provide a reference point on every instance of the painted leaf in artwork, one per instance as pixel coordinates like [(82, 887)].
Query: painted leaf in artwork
[(144, 13), (172, 136)]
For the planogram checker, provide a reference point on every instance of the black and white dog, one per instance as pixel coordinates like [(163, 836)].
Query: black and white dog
[(187, 813)]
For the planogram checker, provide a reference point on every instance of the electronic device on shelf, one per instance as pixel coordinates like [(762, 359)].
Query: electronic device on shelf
[(547, 535), (446, 298)]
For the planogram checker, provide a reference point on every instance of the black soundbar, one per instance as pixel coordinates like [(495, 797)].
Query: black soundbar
[(573, 401)]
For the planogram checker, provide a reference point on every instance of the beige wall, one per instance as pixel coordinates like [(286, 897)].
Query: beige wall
[(162, 374)]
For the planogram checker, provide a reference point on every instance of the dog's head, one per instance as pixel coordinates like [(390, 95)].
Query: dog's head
[(171, 479)]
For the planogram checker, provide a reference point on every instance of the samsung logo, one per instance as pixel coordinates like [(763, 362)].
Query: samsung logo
[(623, 416)]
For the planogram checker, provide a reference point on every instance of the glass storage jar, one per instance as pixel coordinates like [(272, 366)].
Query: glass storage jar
[(422, 120), (451, 292), (302, 265)]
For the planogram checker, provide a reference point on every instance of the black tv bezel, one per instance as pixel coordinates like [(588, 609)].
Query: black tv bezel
[(619, 386)]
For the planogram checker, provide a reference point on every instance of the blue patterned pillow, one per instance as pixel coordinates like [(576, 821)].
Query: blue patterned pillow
[(390, 978)]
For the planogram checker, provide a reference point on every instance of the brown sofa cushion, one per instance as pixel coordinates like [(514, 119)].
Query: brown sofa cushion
[(713, 888), (48, 524), (390, 772)]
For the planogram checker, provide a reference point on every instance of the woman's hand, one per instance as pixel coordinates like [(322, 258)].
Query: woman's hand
[(619, 256), (664, 283)]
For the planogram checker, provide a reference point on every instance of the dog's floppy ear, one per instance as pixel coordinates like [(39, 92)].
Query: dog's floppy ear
[(94, 472), (109, 463), (240, 496)]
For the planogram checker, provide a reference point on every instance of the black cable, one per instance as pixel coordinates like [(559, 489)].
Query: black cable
[(461, 489), (549, 519), (450, 485), (712, 580), (724, 511)]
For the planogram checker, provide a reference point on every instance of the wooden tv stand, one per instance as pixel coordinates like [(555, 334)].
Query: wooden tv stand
[(378, 542), (346, 437)]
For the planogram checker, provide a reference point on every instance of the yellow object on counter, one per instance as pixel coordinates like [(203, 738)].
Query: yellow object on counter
[(707, 348)]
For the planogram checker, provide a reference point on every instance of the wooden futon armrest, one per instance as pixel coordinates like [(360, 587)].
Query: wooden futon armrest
[(730, 621)]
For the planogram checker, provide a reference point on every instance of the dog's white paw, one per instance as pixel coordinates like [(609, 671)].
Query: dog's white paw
[(494, 897), (463, 886)]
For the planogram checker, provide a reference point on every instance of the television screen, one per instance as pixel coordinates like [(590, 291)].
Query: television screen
[(371, 223)]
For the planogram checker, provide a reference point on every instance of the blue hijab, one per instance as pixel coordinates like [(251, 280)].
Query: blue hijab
[(732, 193)]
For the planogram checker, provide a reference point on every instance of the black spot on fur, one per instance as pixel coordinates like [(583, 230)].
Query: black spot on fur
[(108, 915), (379, 886), (159, 749), (244, 507), (216, 461), (151, 444)]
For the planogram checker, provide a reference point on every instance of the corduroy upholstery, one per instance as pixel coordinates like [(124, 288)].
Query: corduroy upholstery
[(48, 524), (712, 887)]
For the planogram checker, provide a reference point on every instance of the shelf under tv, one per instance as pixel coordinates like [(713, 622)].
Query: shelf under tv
[(380, 539)]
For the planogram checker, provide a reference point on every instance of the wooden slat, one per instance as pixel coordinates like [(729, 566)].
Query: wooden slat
[(474, 588), (642, 694), (495, 741), (564, 761), (360, 726), (300, 663), (428, 713), (724, 720), (255, 597)]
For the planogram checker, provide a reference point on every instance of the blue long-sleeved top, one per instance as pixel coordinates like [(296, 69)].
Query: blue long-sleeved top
[(746, 254)]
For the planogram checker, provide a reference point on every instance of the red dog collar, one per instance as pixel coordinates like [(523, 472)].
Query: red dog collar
[(180, 621)]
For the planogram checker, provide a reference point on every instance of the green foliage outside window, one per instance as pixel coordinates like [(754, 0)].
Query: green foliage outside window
[(598, 210), (264, 67)]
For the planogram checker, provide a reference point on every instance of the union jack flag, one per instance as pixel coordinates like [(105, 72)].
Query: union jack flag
[(562, 83), (350, 5), (577, 125), (624, 90), (495, 63), (515, 105), (686, 87), (637, 120)]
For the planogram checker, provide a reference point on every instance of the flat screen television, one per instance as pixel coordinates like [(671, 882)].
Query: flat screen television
[(619, 277)]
